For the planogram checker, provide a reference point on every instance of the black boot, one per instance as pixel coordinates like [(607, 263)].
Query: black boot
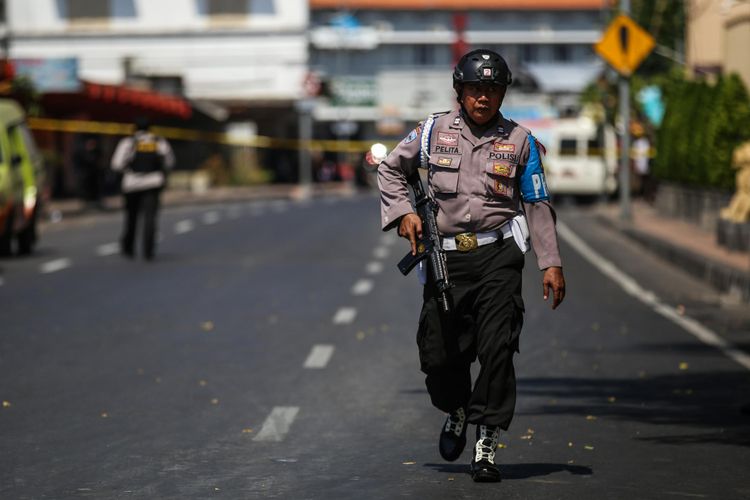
[(453, 435), (483, 468)]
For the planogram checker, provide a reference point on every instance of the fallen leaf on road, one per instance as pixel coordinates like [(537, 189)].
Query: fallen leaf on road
[(409, 463), (247, 431), (104, 414), (527, 436), (207, 326), (6, 404), (215, 401), (684, 365), (570, 444), (681, 310), (202, 383), (571, 461), (451, 479), (588, 447), (590, 417), (595, 327), (611, 399), (502, 445), (360, 335)]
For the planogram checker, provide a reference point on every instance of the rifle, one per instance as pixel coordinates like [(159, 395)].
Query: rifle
[(428, 247)]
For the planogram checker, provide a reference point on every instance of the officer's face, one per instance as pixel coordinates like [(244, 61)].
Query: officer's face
[(482, 101)]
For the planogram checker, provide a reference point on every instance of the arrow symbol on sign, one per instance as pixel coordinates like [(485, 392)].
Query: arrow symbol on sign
[(624, 35)]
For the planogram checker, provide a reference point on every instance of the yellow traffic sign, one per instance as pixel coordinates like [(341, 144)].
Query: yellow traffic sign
[(624, 45)]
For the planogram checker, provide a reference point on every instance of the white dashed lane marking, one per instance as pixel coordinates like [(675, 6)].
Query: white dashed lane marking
[(107, 249), (344, 316), (319, 356), (54, 266), (277, 425), (388, 239), (631, 287), (362, 287), (381, 252), (374, 267), (234, 212), (211, 218), (184, 226)]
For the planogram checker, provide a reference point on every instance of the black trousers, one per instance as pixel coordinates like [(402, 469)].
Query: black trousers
[(139, 204), (485, 322)]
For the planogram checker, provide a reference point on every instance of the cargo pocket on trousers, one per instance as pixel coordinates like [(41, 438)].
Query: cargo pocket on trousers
[(516, 322)]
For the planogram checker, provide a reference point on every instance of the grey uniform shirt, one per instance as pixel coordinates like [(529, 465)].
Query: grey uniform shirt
[(473, 179)]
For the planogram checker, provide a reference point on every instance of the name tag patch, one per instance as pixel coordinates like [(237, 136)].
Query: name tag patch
[(447, 150), (504, 148), (447, 139), (444, 162)]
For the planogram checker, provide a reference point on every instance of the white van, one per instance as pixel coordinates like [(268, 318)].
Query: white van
[(581, 158)]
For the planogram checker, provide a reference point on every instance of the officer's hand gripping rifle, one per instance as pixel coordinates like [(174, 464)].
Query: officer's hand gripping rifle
[(428, 246)]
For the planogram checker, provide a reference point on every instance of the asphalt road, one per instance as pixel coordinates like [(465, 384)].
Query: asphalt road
[(269, 352)]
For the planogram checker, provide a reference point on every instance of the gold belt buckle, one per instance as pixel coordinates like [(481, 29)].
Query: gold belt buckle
[(465, 242)]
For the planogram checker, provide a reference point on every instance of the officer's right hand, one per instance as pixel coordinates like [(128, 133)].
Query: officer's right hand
[(410, 228)]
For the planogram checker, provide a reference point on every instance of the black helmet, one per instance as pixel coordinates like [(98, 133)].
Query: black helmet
[(482, 66)]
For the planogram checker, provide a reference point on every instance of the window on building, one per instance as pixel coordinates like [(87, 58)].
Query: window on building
[(568, 146), (562, 52), (227, 7), (425, 55), (530, 53), (86, 9)]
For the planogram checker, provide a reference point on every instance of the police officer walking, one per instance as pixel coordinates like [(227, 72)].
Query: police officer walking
[(144, 160), (486, 177)]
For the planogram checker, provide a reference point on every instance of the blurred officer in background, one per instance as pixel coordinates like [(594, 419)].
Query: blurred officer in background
[(144, 159), (484, 174)]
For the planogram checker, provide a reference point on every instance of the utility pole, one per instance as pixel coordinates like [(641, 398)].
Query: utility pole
[(624, 87)]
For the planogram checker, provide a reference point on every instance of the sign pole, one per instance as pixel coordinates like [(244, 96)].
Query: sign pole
[(624, 87)]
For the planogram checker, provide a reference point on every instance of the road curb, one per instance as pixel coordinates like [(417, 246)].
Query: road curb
[(724, 278)]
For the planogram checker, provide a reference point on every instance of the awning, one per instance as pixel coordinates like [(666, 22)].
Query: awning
[(115, 103), (564, 77)]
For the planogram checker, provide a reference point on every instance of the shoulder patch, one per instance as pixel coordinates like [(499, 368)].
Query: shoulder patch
[(412, 135)]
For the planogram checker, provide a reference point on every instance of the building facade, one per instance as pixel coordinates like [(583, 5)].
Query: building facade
[(717, 37), (390, 61)]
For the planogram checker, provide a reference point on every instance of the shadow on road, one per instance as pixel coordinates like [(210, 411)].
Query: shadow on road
[(517, 471), (712, 405)]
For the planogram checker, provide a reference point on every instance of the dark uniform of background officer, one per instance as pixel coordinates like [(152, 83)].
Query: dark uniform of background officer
[(482, 169), (144, 160)]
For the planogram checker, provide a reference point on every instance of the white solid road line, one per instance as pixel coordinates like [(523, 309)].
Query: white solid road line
[(277, 424), (381, 252), (362, 287), (107, 249), (374, 267), (211, 217), (344, 316), (319, 356), (631, 287), (54, 265), (184, 226)]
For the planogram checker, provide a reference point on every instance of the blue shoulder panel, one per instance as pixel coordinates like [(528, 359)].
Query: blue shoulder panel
[(533, 185)]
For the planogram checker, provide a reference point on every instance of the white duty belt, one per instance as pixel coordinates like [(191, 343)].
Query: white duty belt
[(466, 242)]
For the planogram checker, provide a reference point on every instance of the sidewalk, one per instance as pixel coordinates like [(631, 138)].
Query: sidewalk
[(684, 245), (177, 197)]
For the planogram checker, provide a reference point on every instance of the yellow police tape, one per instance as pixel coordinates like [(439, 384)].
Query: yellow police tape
[(182, 134)]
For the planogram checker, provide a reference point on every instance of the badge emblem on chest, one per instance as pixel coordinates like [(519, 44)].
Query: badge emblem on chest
[(502, 169), (447, 139), (444, 162), (504, 148)]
